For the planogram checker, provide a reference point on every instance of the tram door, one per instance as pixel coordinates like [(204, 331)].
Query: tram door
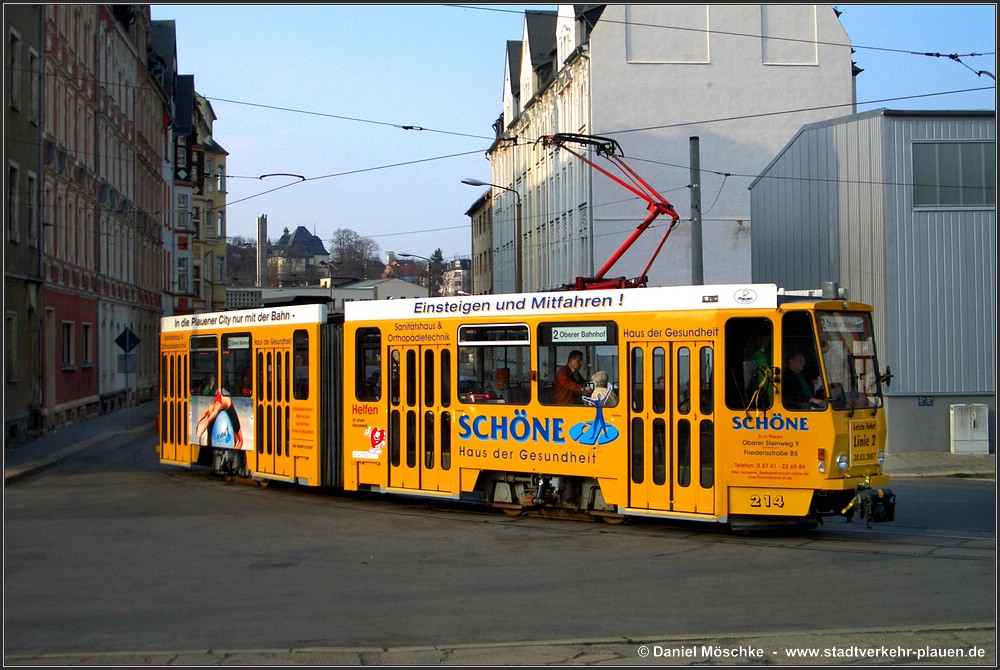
[(671, 446), (272, 399), (175, 445), (693, 380), (419, 431)]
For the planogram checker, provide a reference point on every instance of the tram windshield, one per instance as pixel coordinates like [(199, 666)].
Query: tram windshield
[(847, 347)]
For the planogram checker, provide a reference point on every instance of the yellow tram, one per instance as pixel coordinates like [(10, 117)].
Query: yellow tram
[(733, 404)]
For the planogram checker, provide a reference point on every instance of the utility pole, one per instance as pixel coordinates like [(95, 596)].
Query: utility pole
[(697, 269)]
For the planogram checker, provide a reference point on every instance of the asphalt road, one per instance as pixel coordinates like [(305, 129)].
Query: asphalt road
[(114, 559)]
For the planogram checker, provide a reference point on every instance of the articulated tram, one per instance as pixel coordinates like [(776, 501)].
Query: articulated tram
[(731, 404)]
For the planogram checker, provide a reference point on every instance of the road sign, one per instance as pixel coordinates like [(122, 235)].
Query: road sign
[(127, 340)]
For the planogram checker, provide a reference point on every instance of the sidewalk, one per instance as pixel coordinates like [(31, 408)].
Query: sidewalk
[(26, 457)]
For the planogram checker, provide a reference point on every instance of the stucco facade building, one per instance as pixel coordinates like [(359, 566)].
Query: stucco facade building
[(741, 78)]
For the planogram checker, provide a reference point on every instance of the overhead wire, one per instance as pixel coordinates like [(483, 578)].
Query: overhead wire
[(413, 127)]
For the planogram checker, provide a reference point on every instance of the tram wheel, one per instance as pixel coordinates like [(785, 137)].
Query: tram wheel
[(615, 520), (512, 511), (262, 483)]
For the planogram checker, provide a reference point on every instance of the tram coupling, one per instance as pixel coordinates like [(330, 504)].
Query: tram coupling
[(875, 505)]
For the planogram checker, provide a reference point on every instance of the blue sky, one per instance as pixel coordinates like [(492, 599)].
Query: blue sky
[(324, 91)]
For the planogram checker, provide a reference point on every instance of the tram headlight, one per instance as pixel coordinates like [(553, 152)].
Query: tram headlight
[(842, 462), (881, 457), (822, 467)]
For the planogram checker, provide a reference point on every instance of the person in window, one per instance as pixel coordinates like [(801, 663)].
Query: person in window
[(246, 388), (601, 390), (570, 384), (210, 386), (796, 389), (757, 361)]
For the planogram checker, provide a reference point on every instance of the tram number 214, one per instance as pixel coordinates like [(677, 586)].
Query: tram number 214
[(767, 501)]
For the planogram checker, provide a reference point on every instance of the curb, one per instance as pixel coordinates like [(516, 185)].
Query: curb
[(17, 472)]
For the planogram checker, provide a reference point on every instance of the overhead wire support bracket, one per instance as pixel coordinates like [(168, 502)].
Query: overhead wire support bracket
[(630, 180)]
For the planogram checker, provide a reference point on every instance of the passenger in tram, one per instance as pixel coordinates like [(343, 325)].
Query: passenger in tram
[(570, 384), (211, 386), (601, 389)]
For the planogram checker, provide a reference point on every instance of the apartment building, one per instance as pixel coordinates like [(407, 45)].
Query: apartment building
[(740, 78)]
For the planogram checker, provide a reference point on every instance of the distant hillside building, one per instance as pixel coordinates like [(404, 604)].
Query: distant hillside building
[(297, 259)]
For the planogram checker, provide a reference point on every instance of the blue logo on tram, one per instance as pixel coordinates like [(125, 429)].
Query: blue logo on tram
[(546, 431), (597, 431)]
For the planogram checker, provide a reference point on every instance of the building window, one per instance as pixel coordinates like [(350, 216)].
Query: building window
[(68, 357), (10, 346), (14, 68), (182, 275), (34, 76), (954, 174), (87, 343), (32, 210), (13, 203)]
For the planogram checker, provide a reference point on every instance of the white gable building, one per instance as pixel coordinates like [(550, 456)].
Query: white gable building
[(740, 78)]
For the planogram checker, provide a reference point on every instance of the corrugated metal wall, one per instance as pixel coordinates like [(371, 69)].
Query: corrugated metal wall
[(942, 271), (837, 204)]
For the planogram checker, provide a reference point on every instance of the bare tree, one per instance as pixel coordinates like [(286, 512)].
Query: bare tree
[(241, 261), (355, 256)]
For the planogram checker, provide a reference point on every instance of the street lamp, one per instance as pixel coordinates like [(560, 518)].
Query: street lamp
[(518, 282), (429, 287)]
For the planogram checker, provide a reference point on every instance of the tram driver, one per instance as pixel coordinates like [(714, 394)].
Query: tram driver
[(570, 384)]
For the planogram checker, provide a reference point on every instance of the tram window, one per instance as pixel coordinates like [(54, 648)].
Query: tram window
[(394, 377), (394, 431), (635, 379), (683, 389), (848, 351), (281, 376), (659, 451), (237, 361), (368, 364), (493, 363), (429, 377), (801, 380), (706, 454), (598, 340), (411, 439), (300, 373), (445, 378), (204, 365), (429, 439), (660, 383), (411, 379), (683, 452), (446, 440), (748, 363), (637, 447), (706, 376)]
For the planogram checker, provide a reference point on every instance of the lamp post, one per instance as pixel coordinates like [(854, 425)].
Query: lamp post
[(429, 287), (518, 279)]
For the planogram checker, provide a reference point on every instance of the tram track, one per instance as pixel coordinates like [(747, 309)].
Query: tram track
[(840, 536)]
